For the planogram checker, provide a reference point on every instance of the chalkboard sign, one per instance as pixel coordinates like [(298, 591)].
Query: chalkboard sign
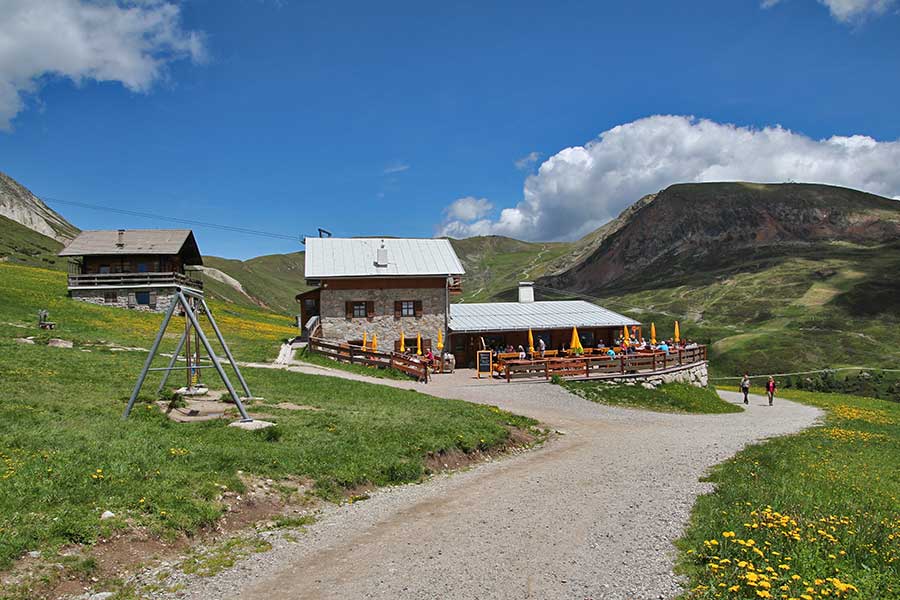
[(485, 362)]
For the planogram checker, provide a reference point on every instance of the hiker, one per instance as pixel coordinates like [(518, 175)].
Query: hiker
[(770, 389), (542, 346), (745, 387)]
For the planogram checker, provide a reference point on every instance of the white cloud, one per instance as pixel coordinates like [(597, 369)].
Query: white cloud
[(396, 168), (580, 188), (849, 11), (129, 41), (468, 208), (527, 161)]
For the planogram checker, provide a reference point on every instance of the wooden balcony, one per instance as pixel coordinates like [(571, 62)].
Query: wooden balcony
[(455, 285), (133, 280)]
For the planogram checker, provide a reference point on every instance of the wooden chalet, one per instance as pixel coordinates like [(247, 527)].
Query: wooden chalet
[(133, 268)]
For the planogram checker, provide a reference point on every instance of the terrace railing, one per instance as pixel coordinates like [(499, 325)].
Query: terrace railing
[(644, 363), (356, 355), (170, 279)]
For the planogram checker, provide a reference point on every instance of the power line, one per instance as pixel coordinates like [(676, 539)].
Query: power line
[(147, 215)]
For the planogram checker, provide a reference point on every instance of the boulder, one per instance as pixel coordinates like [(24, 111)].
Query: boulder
[(25, 341), (58, 343)]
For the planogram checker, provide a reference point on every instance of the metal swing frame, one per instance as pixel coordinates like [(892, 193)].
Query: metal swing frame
[(181, 299)]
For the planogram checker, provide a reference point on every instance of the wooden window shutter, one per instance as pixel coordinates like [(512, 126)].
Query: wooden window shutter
[(398, 309), (418, 307), (370, 309), (348, 309), (153, 298)]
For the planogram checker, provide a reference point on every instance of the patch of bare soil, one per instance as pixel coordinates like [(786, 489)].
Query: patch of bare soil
[(455, 459), (78, 569)]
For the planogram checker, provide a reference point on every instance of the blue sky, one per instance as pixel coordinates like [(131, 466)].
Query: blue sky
[(409, 118)]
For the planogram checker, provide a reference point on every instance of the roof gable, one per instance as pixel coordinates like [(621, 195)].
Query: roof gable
[(357, 257), (135, 241)]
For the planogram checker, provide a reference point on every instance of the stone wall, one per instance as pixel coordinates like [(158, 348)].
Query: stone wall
[(695, 375), (125, 298), (336, 326)]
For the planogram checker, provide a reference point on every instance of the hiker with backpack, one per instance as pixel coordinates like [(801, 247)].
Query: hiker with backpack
[(745, 387)]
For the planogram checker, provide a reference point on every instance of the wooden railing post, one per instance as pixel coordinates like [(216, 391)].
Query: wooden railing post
[(587, 368), (680, 361), (546, 369), (622, 364)]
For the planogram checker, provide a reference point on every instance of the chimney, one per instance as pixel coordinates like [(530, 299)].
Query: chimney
[(526, 292), (120, 240), (381, 256)]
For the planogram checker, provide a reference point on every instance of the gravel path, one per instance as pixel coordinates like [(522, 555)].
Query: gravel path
[(591, 514)]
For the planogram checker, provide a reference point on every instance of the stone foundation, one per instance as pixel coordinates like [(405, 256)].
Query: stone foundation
[(160, 299), (695, 375), (336, 327)]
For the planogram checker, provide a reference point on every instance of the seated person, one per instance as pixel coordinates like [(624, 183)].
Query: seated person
[(521, 352), (610, 352), (663, 347)]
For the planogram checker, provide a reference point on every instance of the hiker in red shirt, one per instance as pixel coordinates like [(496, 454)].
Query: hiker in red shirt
[(770, 389)]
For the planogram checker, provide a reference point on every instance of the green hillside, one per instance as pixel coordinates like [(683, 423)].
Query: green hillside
[(22, 246), (270, 281), (495, 264), (828, 305)]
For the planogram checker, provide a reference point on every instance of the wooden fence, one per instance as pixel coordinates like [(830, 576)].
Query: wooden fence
[(356, 355), (588, 366)]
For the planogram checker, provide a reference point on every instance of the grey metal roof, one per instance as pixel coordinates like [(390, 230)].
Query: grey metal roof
[(519, 316), (136, 241), (355, 257)]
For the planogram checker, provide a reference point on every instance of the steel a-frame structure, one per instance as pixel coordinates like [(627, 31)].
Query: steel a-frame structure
[(190, 312)]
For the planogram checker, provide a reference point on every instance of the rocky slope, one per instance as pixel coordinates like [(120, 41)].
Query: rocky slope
[(18, 204), (687, 226)]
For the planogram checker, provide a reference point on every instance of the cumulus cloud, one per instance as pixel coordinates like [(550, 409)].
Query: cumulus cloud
[(849, 11), (129, 41), (527, 161), (582, 187)]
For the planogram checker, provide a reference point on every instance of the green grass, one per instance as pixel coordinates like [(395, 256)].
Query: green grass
[(825, 503), (22, 246), (672, 397), (67, 456), (314, 358)]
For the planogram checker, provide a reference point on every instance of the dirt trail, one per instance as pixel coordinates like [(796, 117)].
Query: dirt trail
[(592, 514)]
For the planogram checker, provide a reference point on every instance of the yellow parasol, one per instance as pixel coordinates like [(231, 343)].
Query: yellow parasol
[(530, 341), (440, 343), (419, 344), (625, 339), (374, 342), (575, 344), (653, 333), (365, 340), (402, 342), (677, 333)]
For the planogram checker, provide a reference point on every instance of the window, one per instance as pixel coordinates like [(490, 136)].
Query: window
[(142, 298), (104, 269), (407, 308), (110, 297), (360, 309)]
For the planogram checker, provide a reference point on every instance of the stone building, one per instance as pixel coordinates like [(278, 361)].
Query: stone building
[(383, 287), (134, 268)]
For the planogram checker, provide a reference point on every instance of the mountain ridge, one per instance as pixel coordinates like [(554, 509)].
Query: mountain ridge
[(20, 205)]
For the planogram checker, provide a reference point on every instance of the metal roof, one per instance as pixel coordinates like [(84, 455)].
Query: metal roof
[(519, 316), (356, 257), (135, 241)]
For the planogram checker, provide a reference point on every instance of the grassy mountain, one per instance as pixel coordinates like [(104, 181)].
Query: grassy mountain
[(23, 246), (19, 204), (270, 281), (495, 264), (777, 277)]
